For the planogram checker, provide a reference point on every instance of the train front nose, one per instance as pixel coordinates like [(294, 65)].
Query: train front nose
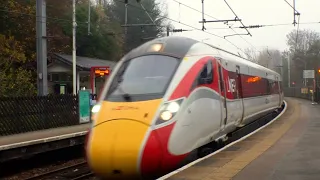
[(115, 149)]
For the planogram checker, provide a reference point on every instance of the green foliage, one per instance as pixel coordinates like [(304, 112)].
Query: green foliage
[(136, 15), (106, 41), (14, 80), (20, 23), (100, 43)]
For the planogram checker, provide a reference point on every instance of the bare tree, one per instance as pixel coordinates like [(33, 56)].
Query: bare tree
[(251, 54), (303, 41), (304, 48), (270, 58)]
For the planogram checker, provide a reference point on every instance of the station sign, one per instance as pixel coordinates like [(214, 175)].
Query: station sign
[(308, 74), (84, 106), (101, 71)]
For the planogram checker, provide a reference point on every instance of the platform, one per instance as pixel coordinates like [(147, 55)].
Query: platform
[(288, 148), (36, 137)]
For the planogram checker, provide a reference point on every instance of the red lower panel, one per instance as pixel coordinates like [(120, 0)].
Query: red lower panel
[(156, 157), (152, 155)]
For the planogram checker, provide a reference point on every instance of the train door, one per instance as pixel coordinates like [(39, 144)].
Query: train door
[(224, 110), (239, 92), (279, 90)]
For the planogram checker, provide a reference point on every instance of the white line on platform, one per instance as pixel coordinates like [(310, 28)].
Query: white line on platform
[(225, 147), (43, 140)]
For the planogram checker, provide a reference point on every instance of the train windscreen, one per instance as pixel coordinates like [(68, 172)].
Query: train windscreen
[(142, 78)]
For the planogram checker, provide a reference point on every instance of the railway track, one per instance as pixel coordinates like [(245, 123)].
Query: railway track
[(80, 170), (77, 171)]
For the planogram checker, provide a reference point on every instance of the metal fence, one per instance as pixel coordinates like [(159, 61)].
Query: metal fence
[(302, 92), (25, 114)]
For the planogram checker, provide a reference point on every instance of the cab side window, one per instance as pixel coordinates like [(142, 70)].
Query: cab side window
[(205, 75)]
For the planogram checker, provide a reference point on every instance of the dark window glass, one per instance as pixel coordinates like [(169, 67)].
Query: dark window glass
[(142, 78), (209, 70), (205, 75), (221, 79), (55, 77)]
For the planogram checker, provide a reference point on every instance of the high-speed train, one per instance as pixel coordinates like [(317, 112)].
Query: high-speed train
[(169, 98)]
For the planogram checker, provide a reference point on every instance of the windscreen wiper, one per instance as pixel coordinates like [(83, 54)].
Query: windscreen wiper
[(125, 95)]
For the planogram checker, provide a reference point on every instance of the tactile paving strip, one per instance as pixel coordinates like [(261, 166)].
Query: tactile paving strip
[(232, 160)]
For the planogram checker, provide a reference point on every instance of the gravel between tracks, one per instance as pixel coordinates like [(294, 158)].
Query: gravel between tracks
[(44, 169)]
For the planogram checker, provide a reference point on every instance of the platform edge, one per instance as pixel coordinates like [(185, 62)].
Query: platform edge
[(42, 140), (225, 147)]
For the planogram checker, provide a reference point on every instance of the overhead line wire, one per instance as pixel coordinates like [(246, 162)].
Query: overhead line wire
[(291, 6), (194, 9), (67, 21), (295, 49), (34, 15), (60, 19), (269, 25), (215, 19), (57, 19), (184, 24), (244, 39), (237, 17)]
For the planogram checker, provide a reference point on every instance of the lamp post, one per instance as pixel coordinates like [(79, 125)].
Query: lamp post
[(74, 70)]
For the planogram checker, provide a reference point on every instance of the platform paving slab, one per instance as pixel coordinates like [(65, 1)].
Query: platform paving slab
[(235, 161), (296, 156), (35, 137)]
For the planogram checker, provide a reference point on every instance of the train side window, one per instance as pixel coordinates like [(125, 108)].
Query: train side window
[(269, 86), (221, 79), (205, 75)]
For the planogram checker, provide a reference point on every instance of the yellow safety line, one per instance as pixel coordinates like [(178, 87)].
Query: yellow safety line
[(233, 167)]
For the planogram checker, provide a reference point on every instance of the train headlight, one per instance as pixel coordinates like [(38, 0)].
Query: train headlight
[(166, 115), (96, 108), (155, 47), (168, 111), (173, 107)]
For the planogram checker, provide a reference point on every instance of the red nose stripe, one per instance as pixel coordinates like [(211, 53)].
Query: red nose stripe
[(183, 88), (158, 158)]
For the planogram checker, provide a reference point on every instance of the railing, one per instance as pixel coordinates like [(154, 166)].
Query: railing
[(25, 114), (302, 92)]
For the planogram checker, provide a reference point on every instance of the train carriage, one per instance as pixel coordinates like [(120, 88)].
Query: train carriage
[(168, 98)]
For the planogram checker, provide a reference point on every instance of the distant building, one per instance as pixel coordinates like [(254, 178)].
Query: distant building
[(60, 73)]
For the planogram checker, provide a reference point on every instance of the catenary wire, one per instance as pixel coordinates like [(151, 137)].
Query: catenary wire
[(33, 15), (298, 26), (291, 6), (63, 21), (237, 17), (184, 24), (271, 25), (194, 9), (215, 19), (85, 23)]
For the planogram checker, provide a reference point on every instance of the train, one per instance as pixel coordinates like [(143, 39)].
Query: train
[(169, 99)]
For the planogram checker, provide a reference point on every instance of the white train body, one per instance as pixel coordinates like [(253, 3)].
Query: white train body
[(168, 98)]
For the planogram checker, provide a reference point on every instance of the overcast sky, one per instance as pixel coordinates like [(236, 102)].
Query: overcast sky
[(252, 12)]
